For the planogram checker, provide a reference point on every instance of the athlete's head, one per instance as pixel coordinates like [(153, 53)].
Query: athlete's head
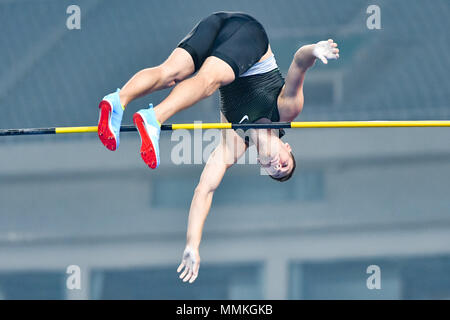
[(282, 166)]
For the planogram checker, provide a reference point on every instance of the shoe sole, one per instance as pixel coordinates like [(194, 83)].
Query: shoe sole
[(148, 153), (105, 133)]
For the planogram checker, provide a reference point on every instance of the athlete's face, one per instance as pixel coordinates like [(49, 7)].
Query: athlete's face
[(282, 164)]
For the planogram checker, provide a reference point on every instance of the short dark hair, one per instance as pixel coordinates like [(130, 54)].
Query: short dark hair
[(289, 175)]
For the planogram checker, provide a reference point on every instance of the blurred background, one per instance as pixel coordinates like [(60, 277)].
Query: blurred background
[(360, 197)]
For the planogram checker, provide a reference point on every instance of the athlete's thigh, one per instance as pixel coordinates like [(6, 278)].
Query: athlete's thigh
[(241, 44), (199, 42)]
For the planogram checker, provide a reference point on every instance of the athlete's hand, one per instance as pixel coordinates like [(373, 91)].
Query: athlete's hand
[(191, 263), (325, 50)]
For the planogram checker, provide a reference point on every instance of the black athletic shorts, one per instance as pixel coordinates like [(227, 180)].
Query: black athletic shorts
[(234, 37)]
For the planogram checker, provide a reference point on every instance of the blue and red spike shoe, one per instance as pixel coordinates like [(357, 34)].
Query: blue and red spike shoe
[(149, 129), (110, 119)]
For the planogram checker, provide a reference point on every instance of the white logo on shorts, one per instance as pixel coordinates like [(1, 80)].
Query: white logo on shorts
[(244, 118)]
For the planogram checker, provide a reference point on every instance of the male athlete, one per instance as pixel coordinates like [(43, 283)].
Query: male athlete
[(228, 51)]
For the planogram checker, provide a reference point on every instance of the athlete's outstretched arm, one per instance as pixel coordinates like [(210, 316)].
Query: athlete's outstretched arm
[(290, 100), (223, 157), (210, 179)]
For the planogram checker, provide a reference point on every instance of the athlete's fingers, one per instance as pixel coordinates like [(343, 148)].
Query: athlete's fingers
[(195, 273), (323, 59), (332, 56), (337, 56), (334, 44), (180, 267), (194, 276), (330, 40), (335, 50), (183, 274), (189, 275)]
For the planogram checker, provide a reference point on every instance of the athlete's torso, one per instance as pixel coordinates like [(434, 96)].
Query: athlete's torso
[(250, 98)]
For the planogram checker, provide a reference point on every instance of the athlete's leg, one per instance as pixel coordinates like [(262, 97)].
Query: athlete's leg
[(184, 61), (290, 100), (213, 74), (178, 66)]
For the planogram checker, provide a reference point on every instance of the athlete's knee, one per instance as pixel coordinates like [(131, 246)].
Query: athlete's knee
[(168, 75), (215, 73), (172, 74), (208, 82)]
